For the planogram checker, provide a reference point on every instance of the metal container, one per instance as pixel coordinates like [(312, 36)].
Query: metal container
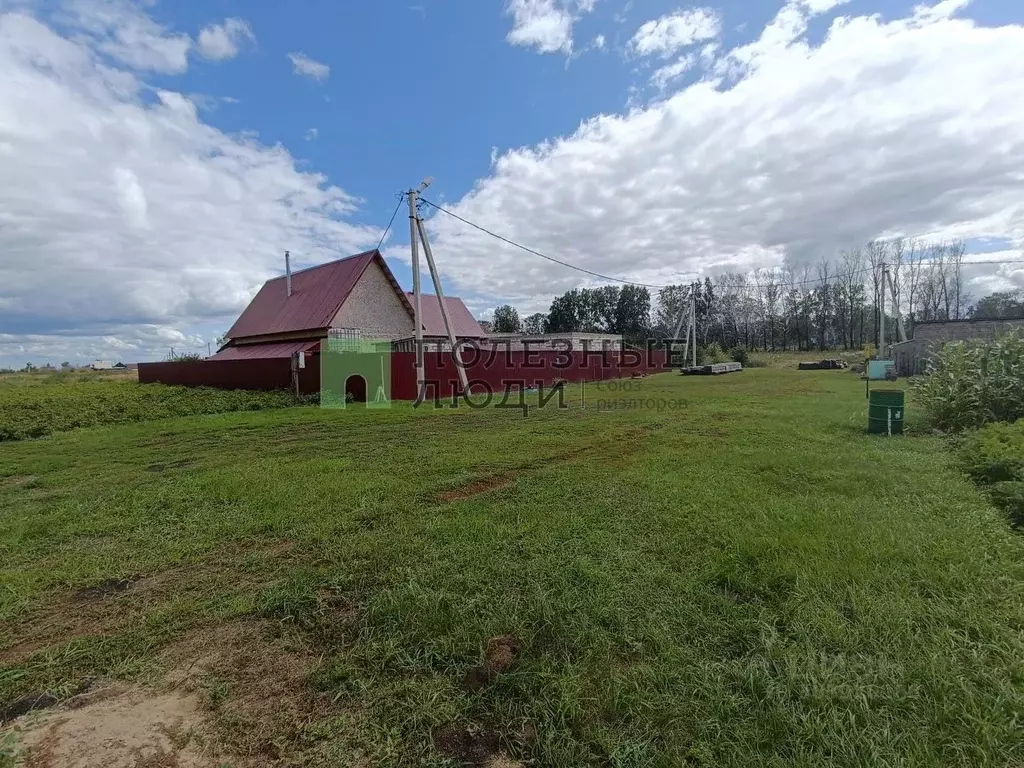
[(885, 411)]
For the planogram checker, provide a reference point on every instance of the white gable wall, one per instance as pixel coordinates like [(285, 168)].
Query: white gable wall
[(374, 308)]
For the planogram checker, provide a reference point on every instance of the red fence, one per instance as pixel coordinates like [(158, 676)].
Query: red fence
[(262, 374), (508, 370), (486, 371)]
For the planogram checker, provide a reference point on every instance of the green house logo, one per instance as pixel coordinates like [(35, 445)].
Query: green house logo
[(355, 371)]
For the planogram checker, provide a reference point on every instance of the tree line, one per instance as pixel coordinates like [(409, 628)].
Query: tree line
[(833, 303)]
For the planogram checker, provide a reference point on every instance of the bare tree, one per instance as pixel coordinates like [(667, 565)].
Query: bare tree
[(913, 273), (805, 291), (935, 293), (877, 252), (729, 287), (851, 280), (897, 255), (825, 305), (955, 276), (762, 304)]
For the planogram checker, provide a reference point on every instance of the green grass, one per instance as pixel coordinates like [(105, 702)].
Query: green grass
[(36, 405), (749, 580)]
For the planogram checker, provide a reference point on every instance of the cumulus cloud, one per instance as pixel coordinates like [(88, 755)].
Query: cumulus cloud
[(664, 36), (665, 76), (545, 25), (942, 10), (887, 126), (124, 217), (981, 280), (223, 41), (307, 67), (122, 30)]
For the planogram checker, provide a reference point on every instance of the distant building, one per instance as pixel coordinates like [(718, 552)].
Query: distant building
[(911, 357), (357, 298), (581, 342), (101, 365), (464, 325)]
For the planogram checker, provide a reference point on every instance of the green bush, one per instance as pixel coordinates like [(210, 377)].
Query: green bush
[(994, 457), (757, 361), (972, 383), (712, 353), (995, 453), (740, 355), (1009, 497)]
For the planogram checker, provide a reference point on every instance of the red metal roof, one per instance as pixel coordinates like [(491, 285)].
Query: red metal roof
[(464, 325), (317, 295), (264, 351)]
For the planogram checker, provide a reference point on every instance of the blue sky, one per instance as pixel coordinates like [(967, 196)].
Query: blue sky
[(427, 88), (793, 129)]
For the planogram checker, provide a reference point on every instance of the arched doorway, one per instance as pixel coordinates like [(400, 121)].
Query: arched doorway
[(355, 389)]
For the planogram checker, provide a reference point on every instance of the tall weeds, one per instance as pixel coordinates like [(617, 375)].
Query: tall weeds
[(973, 383)]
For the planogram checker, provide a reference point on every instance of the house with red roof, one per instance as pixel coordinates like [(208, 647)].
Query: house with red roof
[(356, 297)]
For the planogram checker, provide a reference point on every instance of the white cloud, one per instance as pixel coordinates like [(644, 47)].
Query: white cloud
[(599, 42), (312, 134), (222, 41), (128, 219), (121, 30), (942, 10), (887, 126), (666, 75), (664, 36), (545, 24), (982, 280), (307, 67), (787, 28)]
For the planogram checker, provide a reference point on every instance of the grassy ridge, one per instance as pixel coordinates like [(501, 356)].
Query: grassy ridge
[(747, 580), (36, 405)]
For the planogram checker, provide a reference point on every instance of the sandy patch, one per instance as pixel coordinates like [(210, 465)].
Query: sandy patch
[(120, 727)]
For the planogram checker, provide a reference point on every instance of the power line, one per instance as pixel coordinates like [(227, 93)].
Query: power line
[(538, 253), (401, 197), (976, 263), (838, 276)]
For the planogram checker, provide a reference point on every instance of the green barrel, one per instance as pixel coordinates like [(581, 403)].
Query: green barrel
[(885, 412)]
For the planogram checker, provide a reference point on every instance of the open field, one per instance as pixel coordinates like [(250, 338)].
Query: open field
[(747, 580), (39, 404)]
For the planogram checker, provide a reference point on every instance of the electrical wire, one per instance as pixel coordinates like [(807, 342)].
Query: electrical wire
[(401, 197), (794, 284), (538, 253)]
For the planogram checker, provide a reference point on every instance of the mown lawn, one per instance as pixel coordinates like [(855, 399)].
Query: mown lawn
[(749, 580)]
